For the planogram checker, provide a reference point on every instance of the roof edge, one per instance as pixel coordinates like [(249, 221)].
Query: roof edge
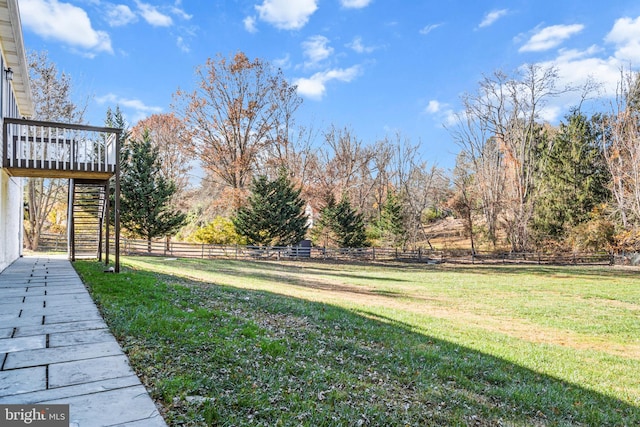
[(20, 84)]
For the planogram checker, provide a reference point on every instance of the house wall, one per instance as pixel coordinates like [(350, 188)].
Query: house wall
[(10, 219), (15, 101), (11, 189)]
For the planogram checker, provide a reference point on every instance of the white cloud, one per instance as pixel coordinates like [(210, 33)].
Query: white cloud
[(625, 35), (180, 12), (442, 112), (491, 17), (433, 107), (449, 118), (63, 22), (550, 37), (119, 15), (135, 104), (283, 63), (315, 86), (355, 4), (136, 108), (552, 113), (316, 49), (250, 24), (576, 67), (153, 16), (426, 30), (359, 47), (285, 14), (182, 44)]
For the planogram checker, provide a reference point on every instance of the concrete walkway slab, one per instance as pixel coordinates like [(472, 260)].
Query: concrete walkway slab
[(21, 344), (26, 331), (46, 356), (21, 381), (56, 349)]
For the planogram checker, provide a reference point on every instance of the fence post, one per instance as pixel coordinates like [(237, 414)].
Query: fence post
[(373, 256), (420, 254)]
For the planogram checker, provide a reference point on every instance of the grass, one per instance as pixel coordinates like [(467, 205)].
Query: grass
[(265, 343)]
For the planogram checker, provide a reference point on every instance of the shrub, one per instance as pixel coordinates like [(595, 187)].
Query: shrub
[(220, 231)]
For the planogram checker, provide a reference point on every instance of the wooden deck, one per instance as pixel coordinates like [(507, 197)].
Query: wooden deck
[(47, 172), (59, 150)]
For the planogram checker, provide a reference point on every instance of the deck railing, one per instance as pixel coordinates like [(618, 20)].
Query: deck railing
[(30, 144)]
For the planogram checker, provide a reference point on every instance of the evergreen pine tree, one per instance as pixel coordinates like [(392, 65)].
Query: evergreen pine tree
[(115, 119), (341, 225), (322, 233), (145, 195), (573, 180), (391, 222), (275, 214)]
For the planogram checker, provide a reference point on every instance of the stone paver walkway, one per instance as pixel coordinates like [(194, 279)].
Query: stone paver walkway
[(56, 349)]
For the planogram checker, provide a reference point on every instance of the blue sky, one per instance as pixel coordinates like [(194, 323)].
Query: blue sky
[(378, 67)]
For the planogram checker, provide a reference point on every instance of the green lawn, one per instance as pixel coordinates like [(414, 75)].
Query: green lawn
[(324, 344)]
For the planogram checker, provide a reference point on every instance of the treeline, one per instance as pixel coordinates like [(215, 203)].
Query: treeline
[(240, 125), (572, 186), (519, 183)]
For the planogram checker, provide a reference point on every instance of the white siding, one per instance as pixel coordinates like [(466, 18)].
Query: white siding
[(10, 219), (15, 101)]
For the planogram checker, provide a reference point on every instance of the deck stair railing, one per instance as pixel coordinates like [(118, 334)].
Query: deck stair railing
[(87, 202)]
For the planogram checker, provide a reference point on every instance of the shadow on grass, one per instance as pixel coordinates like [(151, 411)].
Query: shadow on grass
[(219, 355), (609, 272), (271, 272)]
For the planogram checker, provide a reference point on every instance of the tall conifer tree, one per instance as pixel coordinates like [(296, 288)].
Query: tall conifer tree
[(275, 213), (145, 194), (392, 221), (341, 225), (574, 178)]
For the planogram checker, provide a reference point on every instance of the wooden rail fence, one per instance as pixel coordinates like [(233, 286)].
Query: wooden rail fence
[(55, 242)]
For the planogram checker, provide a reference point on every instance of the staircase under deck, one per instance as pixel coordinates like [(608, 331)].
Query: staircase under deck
[(88, 213)]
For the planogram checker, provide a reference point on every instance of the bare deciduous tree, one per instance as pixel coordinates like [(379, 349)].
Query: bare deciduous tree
[(239, 108), (506, 111), (170, 136), (621, 148), (342, 167), (52, 101), (424, 187), (464, 200), (484, 157)]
